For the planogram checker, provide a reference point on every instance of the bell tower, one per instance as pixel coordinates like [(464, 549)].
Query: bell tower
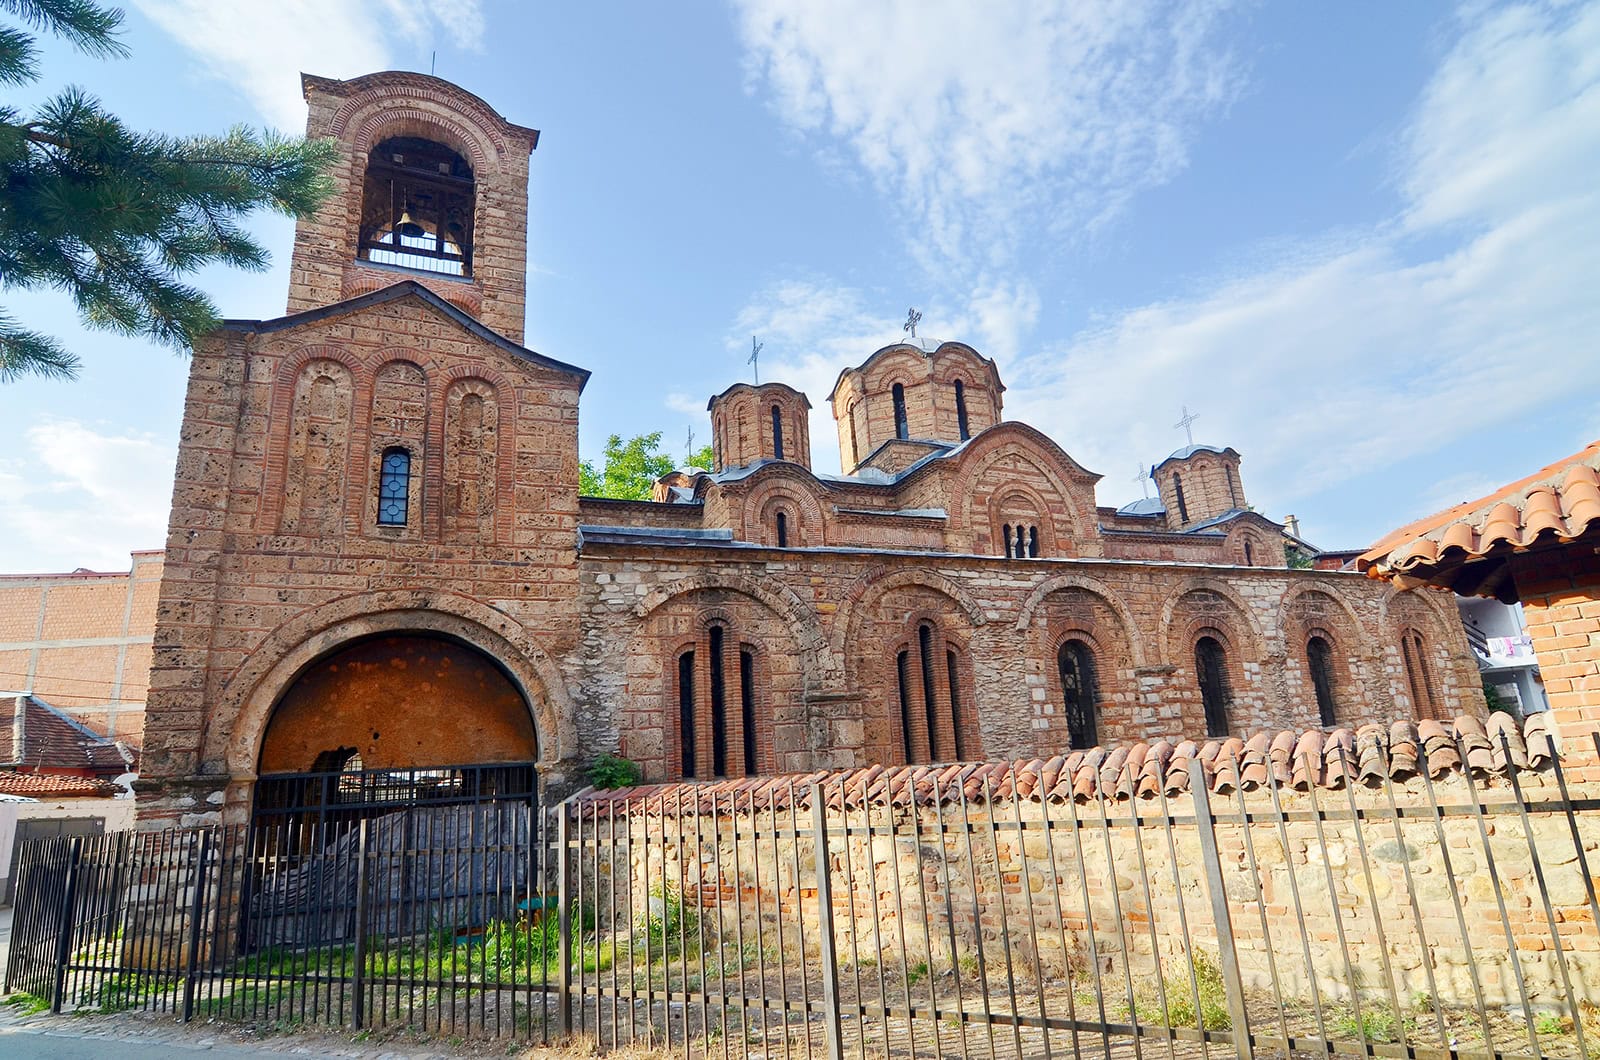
[(431, 185)]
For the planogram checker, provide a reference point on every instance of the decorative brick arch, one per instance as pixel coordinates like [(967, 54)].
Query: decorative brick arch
[(822, 667), (1058, 582), (873, 587), (791, 488), (1246, 638), (244, 708), (1286, 610)]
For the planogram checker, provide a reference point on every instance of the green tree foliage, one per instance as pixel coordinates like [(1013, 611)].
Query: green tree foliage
[(702, 458), (630, 468), (115, 218)]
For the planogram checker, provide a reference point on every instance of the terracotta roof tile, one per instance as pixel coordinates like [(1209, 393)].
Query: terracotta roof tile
[(1297, 760), (53, 740), (1464, 548), (52, 784)]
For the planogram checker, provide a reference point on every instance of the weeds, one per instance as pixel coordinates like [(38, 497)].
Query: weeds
[(28, 1004), (1378, 1023)]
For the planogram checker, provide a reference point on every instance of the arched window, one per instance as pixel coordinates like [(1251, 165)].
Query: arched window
[(719, 705), (1033, 542), (1211, 669), (1005, 535), (1075, 662), (686, 712), (1319, 658), (1233, 489), (855, 446), (706, 705), (953, 666), (394, 487), (1418, 676), (931, 730), (1177, 486), (961, 410), (417, 207), (747, 708), (902, 429), (1249, 554), (777, 434), (781, 527)]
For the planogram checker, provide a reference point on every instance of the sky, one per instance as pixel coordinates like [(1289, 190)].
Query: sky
[(1361, 242)]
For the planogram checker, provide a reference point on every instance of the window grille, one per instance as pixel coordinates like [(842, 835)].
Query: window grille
[(1211, 668), (394, 487), (1319, 657), (1078, 688)]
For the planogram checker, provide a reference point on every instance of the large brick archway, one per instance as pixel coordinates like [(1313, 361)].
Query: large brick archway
[(399, 701)]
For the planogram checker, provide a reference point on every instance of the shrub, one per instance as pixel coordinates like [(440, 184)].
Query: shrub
[(614, 771)]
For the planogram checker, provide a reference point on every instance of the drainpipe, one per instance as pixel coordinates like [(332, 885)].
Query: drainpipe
[(19, 723)]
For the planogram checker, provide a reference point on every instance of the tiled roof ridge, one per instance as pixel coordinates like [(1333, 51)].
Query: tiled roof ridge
[(1561, 500), (1294, 760)]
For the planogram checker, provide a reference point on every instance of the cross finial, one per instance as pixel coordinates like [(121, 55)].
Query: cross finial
[(1143, 479), (755, 357), (688, 443), (1186, 421), (913, 318)]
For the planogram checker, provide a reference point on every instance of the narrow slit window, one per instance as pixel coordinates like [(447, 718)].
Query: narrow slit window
[(1177, 486), (781, 526), (1233, 489), (747, 709), (394, 487), (930, 699), (952, 665), (902, 664), (777, 433), (1249, 554), (902, 429), (961, 410), (1211, 667), (1005, 535), (719, 707), (1319, 657), (1033, 542), (686, 711)]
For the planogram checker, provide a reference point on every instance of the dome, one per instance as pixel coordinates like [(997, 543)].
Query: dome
[(1147, 506)]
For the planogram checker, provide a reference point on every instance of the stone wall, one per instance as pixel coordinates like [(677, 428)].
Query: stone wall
[(1083, 886), (840, 617)]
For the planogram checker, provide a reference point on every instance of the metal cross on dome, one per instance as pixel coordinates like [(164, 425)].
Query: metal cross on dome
[(1143, 479), (1187, 423), (913, 318), (755, 357)]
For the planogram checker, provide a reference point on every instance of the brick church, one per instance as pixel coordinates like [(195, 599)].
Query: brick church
[(378, 558)]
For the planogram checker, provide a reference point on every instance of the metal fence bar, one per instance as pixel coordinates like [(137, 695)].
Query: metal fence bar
[(1222, 922), (833, 1029)]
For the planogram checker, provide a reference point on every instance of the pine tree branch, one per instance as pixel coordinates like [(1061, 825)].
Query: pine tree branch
[(24, 352)]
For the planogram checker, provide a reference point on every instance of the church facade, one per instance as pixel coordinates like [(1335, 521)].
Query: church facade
[(378, 558)]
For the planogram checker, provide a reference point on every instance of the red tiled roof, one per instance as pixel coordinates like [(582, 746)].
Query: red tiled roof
[(48, 784), (1297, 760), (54, 741), (1555, 504)]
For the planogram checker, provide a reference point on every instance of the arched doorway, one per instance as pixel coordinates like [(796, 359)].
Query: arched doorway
[(1075, 662), (391, 722)]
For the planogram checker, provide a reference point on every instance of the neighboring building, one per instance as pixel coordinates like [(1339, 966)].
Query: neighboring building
[(378, 558), (1504, 651), (82, 642), (38, 740), (1535, 542)]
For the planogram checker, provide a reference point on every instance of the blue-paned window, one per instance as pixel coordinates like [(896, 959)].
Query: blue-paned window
[(394, 487)]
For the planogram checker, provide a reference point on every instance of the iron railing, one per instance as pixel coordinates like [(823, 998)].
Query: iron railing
[(938, 911)]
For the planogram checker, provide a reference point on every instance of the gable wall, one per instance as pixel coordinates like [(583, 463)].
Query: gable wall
[(273, 518)]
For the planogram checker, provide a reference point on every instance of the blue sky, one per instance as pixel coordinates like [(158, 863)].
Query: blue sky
[(1362, 241)]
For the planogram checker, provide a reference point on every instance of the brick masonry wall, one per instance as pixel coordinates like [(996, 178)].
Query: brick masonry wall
[(1560, 593), (843, 616), (82, 642)]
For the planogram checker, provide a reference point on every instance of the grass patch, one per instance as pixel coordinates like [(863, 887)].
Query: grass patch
[(27, 1004), (1377, 1023), (1181, 1011)]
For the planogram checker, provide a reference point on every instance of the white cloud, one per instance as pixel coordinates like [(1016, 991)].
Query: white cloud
[(77, 497), (982, 120), (262, 48), (1471, 308)]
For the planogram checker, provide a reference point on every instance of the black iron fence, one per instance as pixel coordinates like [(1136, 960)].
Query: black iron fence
[(1379, 899)]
